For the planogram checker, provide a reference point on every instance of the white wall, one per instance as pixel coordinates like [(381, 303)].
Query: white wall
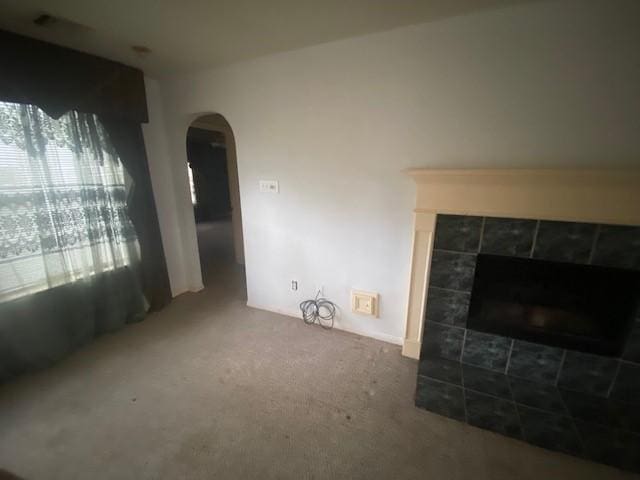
[(545, 84), (161, 170)]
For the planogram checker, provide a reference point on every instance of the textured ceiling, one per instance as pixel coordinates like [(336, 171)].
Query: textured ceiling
[(189, 35)]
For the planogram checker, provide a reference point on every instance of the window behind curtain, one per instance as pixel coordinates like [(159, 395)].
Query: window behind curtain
[(63, 195)]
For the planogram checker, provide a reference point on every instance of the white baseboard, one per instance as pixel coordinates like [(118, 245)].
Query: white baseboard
[(177, 291), (296, 314), (377, 335), (288, 313)]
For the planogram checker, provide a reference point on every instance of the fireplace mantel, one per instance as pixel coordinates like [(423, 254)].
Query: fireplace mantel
[(595, 196)]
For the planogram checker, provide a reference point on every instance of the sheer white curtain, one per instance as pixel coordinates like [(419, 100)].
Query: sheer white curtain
[(63, 195)]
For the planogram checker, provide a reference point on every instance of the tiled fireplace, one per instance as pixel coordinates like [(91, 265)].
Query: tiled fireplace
[(549, 390), (561, 399)]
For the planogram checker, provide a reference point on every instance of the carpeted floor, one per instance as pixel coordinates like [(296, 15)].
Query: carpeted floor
[(209, 388)]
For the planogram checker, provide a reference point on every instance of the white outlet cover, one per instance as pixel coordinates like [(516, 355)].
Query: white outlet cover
[(269, 186), (365, 303)]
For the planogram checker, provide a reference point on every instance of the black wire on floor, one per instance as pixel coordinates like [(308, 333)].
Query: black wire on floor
[(318, 310)]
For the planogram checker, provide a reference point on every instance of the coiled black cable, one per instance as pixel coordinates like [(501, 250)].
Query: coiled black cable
[(318, 310)]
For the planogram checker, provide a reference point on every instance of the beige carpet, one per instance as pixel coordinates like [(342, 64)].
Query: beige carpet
[(209, 388)]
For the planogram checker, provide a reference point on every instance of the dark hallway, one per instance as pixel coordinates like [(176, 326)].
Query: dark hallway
[(207, 156), (208, 174), (215, 242)]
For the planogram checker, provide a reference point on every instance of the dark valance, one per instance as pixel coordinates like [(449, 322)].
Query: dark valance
[(59, 79)]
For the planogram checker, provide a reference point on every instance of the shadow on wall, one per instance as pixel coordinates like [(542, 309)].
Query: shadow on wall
[(4, 475)]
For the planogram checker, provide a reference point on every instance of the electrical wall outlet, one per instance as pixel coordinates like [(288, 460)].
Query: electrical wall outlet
[(365, 303), (294, 285)]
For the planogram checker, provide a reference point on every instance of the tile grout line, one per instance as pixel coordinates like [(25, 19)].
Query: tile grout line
[(630, 362), (613, 380), (506, 367), (564, 355), (464, 340), (464, 398), (484, 219), (454, 251), (567, 412), (596, 237), (564, 403), (574, 427), (513, 400), (449, 325), (451, 290), (464, 390), (535, 238), (515, 405)]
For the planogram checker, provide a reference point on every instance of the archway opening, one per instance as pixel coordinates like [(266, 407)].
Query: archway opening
[(215, 195)]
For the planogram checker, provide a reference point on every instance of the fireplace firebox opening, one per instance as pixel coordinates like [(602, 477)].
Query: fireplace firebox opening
[(579, 307)]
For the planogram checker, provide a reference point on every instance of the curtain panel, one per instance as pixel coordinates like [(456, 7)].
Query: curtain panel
[(63, 194), (128, 141), (80, 248)]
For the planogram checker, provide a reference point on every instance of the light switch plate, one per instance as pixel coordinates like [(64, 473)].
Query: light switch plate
[(269, 186), (365, 303)]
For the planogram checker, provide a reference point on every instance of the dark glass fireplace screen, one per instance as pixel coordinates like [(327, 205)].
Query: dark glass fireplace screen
[(580, 307)]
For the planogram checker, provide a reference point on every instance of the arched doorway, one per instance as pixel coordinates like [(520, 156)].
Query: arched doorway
[(215, 195)]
